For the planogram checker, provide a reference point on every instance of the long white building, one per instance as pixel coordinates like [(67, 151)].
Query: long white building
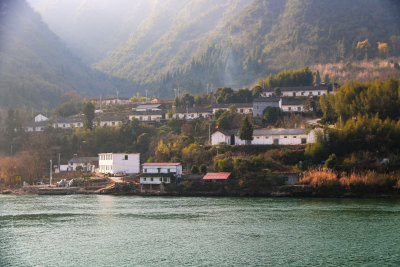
[(267, 137), (112, 163)]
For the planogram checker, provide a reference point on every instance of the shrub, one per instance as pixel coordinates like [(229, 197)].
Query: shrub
[(194, 169)]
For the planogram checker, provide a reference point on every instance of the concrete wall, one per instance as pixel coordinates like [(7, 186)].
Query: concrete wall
[(282, 139), (114, 163), (154, 180)]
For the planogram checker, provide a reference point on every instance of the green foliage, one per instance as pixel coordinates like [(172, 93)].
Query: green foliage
[(246, 130), (301, 77), (224, 165), (225, 120), (203, 168), (88, 110), (331, 162), (369, 98), (194, 169), (272, 115)]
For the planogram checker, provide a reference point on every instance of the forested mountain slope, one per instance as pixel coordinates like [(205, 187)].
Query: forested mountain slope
[(35, 66), (192, 43)]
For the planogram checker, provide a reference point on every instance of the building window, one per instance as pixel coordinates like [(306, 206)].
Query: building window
[(294, 136), (302, 93), (144, 179), (151, 179), (298, 108), (145, 170), (285, 137), (126, 157), (303, 140), (310, 93), (257, 137), (241, 110), (159, 170), (290, 108), (168, 170), (319, 93), (160, 179)]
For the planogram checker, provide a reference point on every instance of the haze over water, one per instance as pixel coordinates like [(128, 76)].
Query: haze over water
[(167, 231)]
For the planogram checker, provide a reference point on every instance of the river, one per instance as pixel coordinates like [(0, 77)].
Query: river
[(79, 230)]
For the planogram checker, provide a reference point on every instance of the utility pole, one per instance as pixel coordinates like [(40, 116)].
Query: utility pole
[(209, 133), (51, 172), (59, 159)]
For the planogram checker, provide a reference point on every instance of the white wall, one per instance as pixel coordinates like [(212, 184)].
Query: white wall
[(292, 108), (219, 137), (283, 139), (113, 163), (156, 180)]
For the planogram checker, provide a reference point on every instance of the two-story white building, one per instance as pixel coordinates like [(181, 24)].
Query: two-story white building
[(35, 126), (40, 117), (192, 113), (293, 105), (68, 123), (111, 121), (157, 173), (242, 108), (112, 163), (297, 91), (148, 116)]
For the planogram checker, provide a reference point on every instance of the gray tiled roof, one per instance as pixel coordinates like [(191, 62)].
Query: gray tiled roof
[(292, 131), (148, 112), (294, 102), (148, 106), (237, 105), (193, 110), (267, 99), (83, 159), (299, 88)]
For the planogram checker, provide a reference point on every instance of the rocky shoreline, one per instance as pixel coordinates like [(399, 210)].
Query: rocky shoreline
[(130, 189)]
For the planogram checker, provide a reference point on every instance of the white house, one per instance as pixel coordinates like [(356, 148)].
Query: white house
[(267, 137), (192, 113), (279, 137), (242, 108), (157, 173), (115, 101), (293, 105), (224, 137), (111, 163), (35, 126), (260, 104), (111, 121), (68, 123), (156, 115), (83, 164), (40, 117), (298, 91)]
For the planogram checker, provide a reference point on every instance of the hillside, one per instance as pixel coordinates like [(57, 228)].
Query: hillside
[(36, 67), (209, 43)]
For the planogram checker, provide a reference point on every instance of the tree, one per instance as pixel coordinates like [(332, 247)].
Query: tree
[(277, 92), (272, 114), (187, 100), (246, 130), (194, 169), (203, 169), (317, 78), (88, 110), (225, 120)]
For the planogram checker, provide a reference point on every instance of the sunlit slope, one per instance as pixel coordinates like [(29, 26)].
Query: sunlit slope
[(235, 42)]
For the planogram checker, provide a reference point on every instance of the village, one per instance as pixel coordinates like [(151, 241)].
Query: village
[(111, 169)]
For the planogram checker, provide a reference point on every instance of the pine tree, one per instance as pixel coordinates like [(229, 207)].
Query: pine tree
[(89, 116), (246, 130), (317, 78)]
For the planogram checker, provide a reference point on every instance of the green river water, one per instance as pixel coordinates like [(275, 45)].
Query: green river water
[(92, 230)]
